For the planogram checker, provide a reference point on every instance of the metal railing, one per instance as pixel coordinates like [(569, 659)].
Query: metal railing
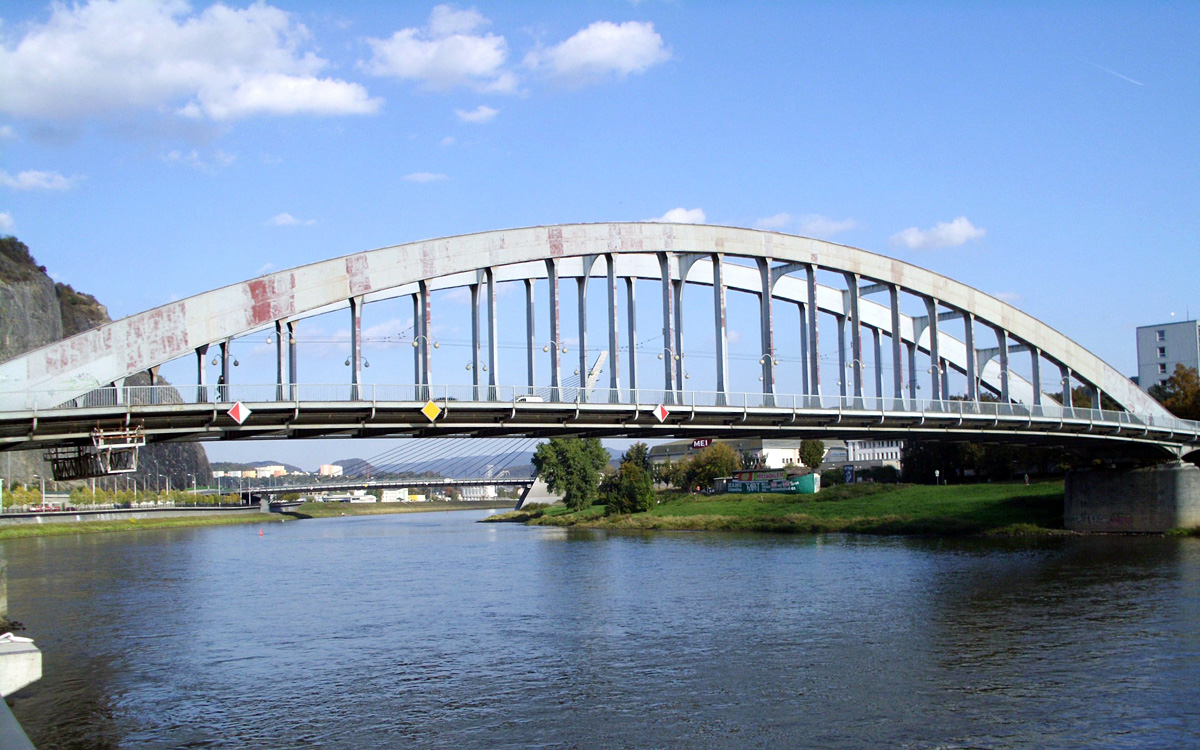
[(447, 395)]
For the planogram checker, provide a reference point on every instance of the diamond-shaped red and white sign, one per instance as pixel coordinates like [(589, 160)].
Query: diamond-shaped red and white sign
[(661, 412), (239, 412)]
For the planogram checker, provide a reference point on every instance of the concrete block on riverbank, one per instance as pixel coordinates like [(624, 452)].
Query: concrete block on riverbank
[(538, 492), (20, 665), (1150, 500)]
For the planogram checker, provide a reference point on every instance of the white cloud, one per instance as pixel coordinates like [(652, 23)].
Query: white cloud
[(945, 234), (425, 177), (815, 225), (482, 113), (6, 221), (445, 20), (445, 54), (217, 160), (107, 58), (6, 132), (287, 220), (601, 49), (683, 216), (448, 141), (778, 221), (32, 179)]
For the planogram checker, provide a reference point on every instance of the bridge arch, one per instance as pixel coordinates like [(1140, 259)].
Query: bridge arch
[(784, 268)]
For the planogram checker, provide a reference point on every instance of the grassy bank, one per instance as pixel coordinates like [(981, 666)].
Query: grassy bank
[(17, 531), (999, 509), (329, 510)]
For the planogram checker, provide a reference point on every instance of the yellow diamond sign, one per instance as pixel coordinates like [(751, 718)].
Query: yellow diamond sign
[(431, 410)]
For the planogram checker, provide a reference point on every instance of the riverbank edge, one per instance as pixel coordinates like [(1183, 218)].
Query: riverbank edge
[(24, 531), (334, 510), (1016, 510)]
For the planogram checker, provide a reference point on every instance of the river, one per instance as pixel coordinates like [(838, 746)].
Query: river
[(431, 630)]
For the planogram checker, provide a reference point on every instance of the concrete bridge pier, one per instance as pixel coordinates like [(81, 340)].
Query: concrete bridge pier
[(1148, 500)]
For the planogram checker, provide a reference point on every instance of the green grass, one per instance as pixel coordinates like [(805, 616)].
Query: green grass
[(1002, 509), (17, 531)]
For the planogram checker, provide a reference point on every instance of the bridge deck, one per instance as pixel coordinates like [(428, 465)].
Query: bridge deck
[(600, 413)]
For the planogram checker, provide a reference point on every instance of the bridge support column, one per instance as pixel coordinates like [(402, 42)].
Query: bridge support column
[(1035, 363), (293, 361), (664, 265), (201, 373), (912, 374), (152, 374), (720, 329), (280, 362), (767, 325), (475, 371), (631, 324), (356, 304), (935, 361), (969, 342), (493, 357), (614, 346), (897, 361), (530, 335), (555, 344), (804, 391), (841, 334), (876, 338), (1065, 381), (855, 337), (814, 339), (1002, 343), (581, 315), (1151, 500), (423, 348)]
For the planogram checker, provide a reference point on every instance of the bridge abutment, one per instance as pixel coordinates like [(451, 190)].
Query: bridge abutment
[(538, 492), (1148, 500)]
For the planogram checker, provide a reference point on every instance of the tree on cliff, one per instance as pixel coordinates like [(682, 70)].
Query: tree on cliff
[(571, 467)]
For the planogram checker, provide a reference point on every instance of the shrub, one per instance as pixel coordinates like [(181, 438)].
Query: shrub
[(629, 490)]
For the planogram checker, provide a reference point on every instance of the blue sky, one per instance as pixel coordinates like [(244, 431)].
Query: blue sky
[(1045, 153)]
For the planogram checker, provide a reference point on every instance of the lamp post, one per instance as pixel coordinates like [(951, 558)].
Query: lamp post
[(43, 491), (763, 361)]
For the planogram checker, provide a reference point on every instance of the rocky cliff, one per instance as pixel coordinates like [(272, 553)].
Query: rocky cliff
[(35, 311)]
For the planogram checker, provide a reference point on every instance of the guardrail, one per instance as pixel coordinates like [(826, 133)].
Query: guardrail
[(42, 402)]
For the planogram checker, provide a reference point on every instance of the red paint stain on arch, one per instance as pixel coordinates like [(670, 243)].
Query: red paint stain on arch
[(358, 271), (271, 298)]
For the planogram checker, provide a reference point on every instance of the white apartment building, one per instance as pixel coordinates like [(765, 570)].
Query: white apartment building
[(330, 470), (874, 452), (1160, 348)]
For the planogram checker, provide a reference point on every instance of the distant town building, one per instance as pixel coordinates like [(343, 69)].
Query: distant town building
[(330, 470), (272, 470), (393, 496), (870, 453), (478, 492), (769, 453), (1160, 348)]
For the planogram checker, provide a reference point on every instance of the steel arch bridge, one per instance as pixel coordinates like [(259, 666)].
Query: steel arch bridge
[(934, 327)]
